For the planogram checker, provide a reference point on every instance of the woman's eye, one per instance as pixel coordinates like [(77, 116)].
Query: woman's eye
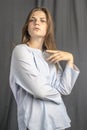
[(34, 20), (43, 20), (31, 20)]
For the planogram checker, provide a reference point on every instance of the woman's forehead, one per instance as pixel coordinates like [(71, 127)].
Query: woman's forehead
[(38, 14)]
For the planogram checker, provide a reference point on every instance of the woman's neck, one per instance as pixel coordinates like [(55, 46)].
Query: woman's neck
[(36, 43)]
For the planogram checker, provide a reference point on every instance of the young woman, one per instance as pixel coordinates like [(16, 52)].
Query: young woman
[(36, 77)]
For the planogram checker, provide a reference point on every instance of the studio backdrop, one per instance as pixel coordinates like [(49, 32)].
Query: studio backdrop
[(70, 23)]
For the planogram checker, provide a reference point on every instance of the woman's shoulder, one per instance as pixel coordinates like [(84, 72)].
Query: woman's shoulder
[(21, 50), (20, 47)]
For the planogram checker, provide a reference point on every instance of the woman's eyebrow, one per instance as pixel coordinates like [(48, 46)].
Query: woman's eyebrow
[(40, 17)]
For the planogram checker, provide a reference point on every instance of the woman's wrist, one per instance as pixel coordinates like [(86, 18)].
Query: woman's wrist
[(71, 61)]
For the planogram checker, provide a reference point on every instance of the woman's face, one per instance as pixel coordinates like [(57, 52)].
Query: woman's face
[(37, 26)]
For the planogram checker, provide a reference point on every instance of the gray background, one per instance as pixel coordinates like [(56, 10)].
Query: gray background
[(70, 21)]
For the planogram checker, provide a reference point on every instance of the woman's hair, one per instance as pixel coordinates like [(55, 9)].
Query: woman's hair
[(49, 41)]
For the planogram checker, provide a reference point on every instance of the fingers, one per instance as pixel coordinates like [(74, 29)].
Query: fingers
[(57, 55), (54, 57), (51, 51), (54, 54)]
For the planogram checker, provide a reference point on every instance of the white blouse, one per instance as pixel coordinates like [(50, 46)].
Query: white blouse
[(37, 87)]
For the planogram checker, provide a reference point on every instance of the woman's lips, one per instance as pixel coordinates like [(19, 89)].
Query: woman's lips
[(36, 28)]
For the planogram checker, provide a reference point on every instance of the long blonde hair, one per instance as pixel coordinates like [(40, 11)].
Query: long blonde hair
[(49, 41)]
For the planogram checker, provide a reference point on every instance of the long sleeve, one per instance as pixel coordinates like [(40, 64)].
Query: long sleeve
[(28, 77), (66, 79)]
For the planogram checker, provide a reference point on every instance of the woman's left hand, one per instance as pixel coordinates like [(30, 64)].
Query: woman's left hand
[(58, 55)]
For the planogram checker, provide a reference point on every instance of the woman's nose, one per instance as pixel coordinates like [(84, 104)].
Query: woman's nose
[(37, 21)]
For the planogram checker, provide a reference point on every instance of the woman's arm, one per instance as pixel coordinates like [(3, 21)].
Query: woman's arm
[(67, 78), (28, 77)]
